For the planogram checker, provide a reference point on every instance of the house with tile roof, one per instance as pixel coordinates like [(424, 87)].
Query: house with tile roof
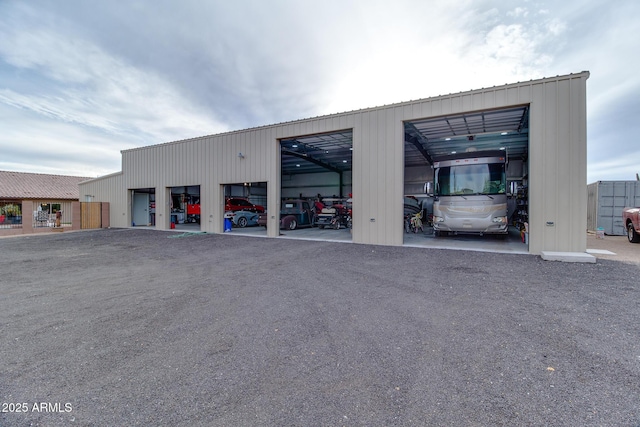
[(29, 201)]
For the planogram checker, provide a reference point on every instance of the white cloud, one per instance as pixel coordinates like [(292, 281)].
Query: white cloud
[(522, 48), (53, 146), (621, 167), (518, 12), (91, 87)]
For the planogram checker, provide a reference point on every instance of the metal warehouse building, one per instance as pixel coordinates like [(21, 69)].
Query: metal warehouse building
[(377, 155)]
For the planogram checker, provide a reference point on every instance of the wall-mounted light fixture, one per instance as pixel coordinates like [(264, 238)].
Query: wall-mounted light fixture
[(240, 155)]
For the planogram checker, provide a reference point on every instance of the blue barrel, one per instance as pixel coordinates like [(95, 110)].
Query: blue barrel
[(227, 225)]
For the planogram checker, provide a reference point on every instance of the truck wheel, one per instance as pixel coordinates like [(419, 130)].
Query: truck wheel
[(293, 224), (632, 235)]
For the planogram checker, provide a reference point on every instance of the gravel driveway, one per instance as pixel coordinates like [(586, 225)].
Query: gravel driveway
[(150, 328)]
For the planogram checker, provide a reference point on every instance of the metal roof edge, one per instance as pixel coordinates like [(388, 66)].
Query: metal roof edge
[(43, 174), (101, 177), (585, 74)]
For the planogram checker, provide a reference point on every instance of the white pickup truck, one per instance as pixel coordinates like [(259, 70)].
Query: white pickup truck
[(631, 220)]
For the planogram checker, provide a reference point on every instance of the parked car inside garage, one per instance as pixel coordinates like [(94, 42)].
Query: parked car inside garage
[(296, 213), (243, 218), (241, 204)]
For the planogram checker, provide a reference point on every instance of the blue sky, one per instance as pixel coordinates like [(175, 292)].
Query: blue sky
[(80, 81)]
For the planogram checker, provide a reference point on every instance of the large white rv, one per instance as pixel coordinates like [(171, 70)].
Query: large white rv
[(470, 193)]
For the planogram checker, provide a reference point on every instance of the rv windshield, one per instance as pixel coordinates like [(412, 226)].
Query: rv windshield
[(471, 179)]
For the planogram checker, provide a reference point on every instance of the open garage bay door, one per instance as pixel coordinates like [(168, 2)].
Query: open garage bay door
[(245, 208), (427, 139), (317, 177), (185, 207)]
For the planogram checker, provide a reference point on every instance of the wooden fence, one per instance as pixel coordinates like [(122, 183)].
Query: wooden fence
[(91, 215)]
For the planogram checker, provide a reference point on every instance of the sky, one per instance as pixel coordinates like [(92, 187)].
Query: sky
[(82, 80)]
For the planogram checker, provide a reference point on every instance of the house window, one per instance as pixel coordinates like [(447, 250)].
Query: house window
[(10, 214), (50, 208)]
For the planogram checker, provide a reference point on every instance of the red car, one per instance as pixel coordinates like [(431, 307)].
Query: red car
[(241, 204)]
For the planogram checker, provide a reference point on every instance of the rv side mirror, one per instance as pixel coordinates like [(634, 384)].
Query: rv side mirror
[(428, 188)]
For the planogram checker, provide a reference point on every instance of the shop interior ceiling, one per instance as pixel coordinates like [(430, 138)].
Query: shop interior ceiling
[(317, 153), (504, 129), (192, 190)]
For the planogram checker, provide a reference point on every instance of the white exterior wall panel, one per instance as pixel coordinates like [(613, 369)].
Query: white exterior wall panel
[(557, 162), (109, 188), (395, 136), (557, 166), (542, 165)]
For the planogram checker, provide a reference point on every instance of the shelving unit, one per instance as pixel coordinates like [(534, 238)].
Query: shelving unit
[(521, 215)]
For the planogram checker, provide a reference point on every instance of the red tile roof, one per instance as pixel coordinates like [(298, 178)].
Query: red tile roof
[(20, 185)]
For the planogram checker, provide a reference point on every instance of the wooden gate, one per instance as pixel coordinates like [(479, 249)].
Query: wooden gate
[(91, 215)]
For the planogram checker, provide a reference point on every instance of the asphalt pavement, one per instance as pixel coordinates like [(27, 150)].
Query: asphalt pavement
[(138, 327)]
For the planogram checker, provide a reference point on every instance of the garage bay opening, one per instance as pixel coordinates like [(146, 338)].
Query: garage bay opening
[(245, 208), (466, 181), (185, 208), (316, 186)]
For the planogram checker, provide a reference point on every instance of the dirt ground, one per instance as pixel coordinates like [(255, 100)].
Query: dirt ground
[(143, 327), (619, 245)]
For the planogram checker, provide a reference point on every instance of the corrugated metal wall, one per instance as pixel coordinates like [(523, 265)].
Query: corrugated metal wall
[(109, 188), (606, 200), (557, 163)]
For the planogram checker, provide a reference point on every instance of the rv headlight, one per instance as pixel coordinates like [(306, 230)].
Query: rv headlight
[(500, 220), (438, 219)]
